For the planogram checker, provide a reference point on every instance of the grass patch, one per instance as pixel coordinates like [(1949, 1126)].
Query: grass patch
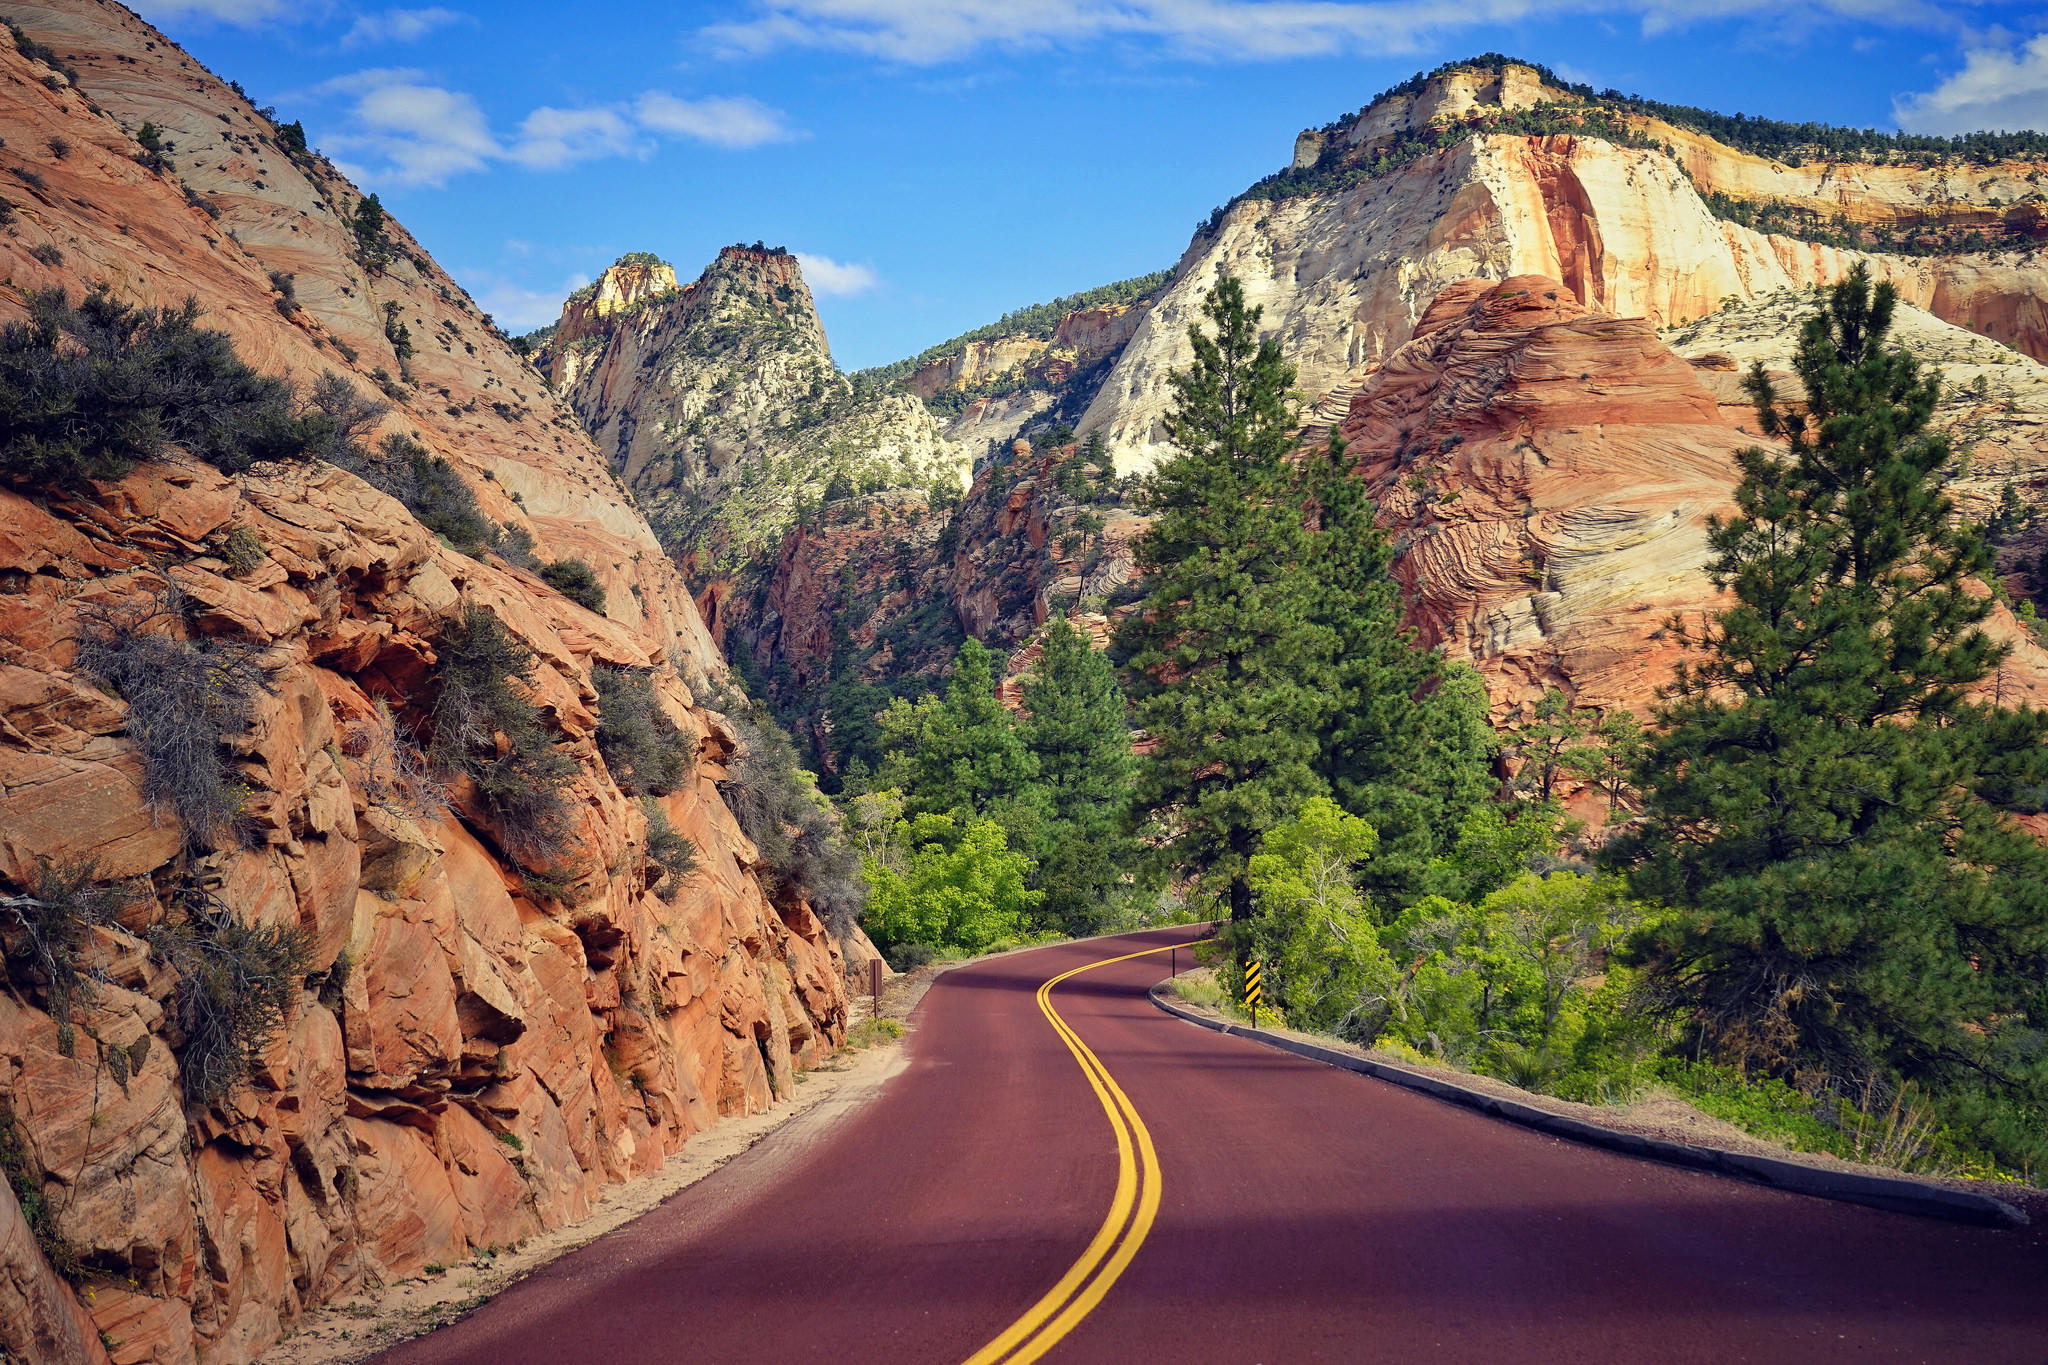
[(873, 1032)]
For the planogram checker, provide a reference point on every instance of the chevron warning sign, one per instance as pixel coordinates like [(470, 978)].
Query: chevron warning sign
[(1252, 973)]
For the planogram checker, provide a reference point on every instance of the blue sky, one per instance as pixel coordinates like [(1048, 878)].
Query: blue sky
[(938, 162)]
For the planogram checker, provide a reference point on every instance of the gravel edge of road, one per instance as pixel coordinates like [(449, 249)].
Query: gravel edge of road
[(1899, 1194)]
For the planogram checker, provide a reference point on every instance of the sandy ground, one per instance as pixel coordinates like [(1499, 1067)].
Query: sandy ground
[(356, 1328)]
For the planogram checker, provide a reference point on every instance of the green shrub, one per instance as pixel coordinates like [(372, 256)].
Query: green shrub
[(49, 929), (90, 391), (957, 888), (640, 744), (236, 987), (778, 806), (668, 849), (184, 698), (576, 581), (431, 490), (243, 551), (486, 729)]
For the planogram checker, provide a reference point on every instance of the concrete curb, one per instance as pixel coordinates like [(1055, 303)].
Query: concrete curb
[(1895, 1193)]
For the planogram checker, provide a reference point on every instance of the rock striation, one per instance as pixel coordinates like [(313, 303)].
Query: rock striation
[(1546, 473), (1345, 273), (478, 1050)]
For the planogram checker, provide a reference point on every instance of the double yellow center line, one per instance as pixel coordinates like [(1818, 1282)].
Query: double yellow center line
[(1130, 1215)]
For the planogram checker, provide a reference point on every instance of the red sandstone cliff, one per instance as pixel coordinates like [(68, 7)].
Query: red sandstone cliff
[(476, 1054)]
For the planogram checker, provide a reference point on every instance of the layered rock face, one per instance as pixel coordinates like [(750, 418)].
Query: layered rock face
[(720, 406), (477, 1051), (1344, 276), (1547, 472)]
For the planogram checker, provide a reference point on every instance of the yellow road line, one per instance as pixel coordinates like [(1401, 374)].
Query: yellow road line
[(1137, 1185)]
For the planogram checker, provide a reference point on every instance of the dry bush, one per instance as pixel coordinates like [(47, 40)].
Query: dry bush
[(485, 728), (184, 697), (236, 989), (391, 772), (45, 933)]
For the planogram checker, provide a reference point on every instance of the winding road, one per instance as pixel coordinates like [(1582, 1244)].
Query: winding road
[(1063, 1171)]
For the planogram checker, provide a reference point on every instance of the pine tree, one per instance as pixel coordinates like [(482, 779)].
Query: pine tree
[(1824, 805), (1403, 751), (960, 754), (1229, 665), (1074, 725)]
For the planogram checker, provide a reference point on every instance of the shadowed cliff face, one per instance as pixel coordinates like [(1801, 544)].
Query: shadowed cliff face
[(475, 1051)]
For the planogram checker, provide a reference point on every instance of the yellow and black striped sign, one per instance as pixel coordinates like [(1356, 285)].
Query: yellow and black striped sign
[(1251, 983)]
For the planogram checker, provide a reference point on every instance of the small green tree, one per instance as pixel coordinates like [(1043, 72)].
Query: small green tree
[(958, 888), (1610, 766), (373, 245), (1550, 742), (1229, 664), (1317, 936), (1074, 726), (1824, 805)]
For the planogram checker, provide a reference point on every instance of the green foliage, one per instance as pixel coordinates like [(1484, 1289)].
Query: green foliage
[(431, 489), (960, 754), (576, 581), (237, 985), (1315, 934), (1824, 809), (668, 849), (779, 807), (1500, 986), (1496, 843), (487, 730), (291, 139), (641, 746), (1407, 744), (1074, 726), (185, 699), (1548, 742), (373, 243), (1229, 668), (957, 889), (91, 391)]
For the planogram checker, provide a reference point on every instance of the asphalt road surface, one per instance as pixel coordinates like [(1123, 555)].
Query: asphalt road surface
[(1093, 1180)]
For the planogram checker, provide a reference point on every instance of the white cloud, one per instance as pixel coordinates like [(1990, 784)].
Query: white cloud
[(415, 134), (1998, 89), (553, 138), (735, 121), (401, 25), (835, 279), (403, 129), (922, 32), (227, 11), (513, 306)]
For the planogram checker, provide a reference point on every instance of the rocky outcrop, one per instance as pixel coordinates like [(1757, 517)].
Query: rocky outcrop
[(591, 314), (721, 408), (1546, 472), (1345, 273), (478, 1050)]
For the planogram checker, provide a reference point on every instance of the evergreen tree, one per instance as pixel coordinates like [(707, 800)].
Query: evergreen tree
[(1404, 751), (1074, 725), (1824, 805), (1229, 664), (961, 755)]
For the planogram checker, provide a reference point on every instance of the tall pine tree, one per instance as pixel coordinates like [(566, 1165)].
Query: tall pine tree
[(1074, 724), (1230, 665), (1403, 750), (1823, 807)]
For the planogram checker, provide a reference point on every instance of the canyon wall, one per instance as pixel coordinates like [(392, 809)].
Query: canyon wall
[(477, 1049)]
